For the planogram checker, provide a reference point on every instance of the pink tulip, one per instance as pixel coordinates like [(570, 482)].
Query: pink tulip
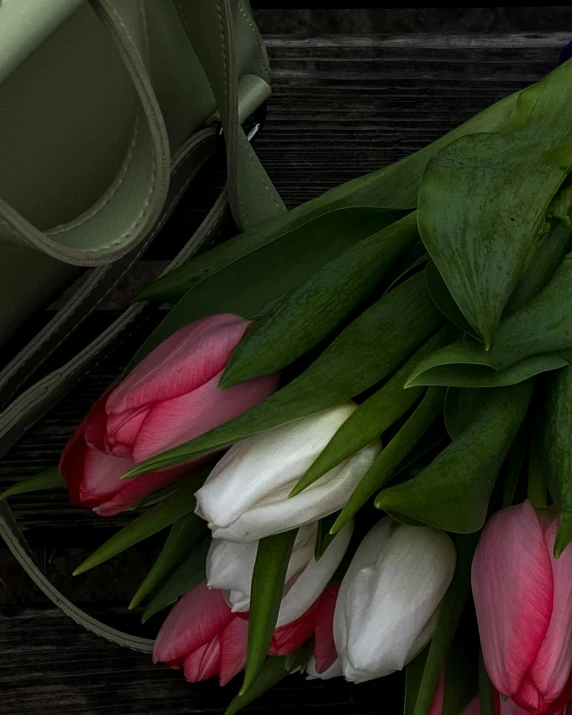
[(203, 636), (507, 706), (522, 596), (169, 398)]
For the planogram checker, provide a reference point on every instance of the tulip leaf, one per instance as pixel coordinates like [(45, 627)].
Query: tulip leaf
[(318, 305), (369, 349), (190, 573), (443, 299), (268, 579), (267, 263), (459, 410), (481, 376), (323, 536), (555, 448), (452, 493), (486, 690), (272, 671), (484, 198), (413, 677), (177, 505), (450, 613), (50, 479), (413, 261), (373, 416), (183, 536), (392, 454)]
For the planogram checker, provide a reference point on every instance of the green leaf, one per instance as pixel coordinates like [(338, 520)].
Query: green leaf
[(184, 578), (256, 268), (373, 416), (184, 534), (368, 350), (486, 690), (318, 305), (272, 671), (461, 668), (512, 467), (479, 376), (389, 458), (452, 493), (175, 506), (268, 579), (443, 299), (459, 410), (323, 536), (484, 198), (50, 479), (555, 448), (413, 676), (449, 616)]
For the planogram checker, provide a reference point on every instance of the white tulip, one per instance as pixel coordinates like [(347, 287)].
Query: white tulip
[(230, 566), (245, 497), (389, 599), (334, 671)]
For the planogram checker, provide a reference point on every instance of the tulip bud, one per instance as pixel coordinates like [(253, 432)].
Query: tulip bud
[(203, 636), (245, 498), (169, 398), (522, 597), (230, 566), (389, 599)]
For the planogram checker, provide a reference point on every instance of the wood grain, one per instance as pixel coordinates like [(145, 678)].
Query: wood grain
[(342, 106)]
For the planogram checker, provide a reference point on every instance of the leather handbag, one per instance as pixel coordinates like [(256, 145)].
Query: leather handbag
[(108, 109)]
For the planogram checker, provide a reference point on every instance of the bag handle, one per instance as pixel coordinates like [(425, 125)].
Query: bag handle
[(252, 196), (132, 204)]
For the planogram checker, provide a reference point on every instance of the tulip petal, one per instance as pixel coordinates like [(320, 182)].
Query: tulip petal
[(291, 636), (102, 475), (203, 663), (194, 620), (388, 606), (474, 707), (171, 422), (275, 512), (553, 665), (334, 671), (230, 565), (513, 593), (181, 363), (371, 548), (132, 491), (309, 585), (266, 465), (229, 568), (233, 645), (94, 424), (122, 431), (325, 654)]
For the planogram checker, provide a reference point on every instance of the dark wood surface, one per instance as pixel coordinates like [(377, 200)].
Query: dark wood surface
[(342, 106)]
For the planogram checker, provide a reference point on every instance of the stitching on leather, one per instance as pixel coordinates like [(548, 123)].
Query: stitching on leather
[(112, 191), (252, 26)]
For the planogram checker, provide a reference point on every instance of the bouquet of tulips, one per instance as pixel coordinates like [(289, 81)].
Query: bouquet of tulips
[(356, 423)]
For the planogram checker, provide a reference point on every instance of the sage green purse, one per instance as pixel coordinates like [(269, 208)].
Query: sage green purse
[(108, 109)]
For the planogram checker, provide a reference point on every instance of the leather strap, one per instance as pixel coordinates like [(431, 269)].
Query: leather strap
[(252, 196), (132, 205), (186, 163)]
